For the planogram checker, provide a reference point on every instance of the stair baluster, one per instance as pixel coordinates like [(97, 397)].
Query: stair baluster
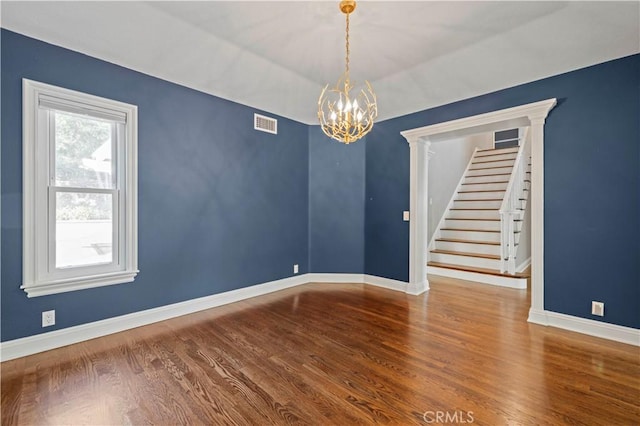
[(511, 209)]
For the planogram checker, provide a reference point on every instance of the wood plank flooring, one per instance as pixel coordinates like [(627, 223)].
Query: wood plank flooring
[(333, 354)]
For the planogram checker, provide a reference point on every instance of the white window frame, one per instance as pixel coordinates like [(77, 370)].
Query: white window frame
[(40, 276)]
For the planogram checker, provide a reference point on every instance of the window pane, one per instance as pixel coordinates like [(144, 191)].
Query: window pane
[(83, 151), (84, 229)]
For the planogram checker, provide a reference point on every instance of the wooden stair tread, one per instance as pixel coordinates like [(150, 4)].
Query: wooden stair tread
[(494, 174), (472, 230), (491, 210), (487, 183), (478, 270), (484, 199), (492, 161), (489, 168), (499, 153), (482, 190), (456, 218), (462, 253), (498, 149), (455, 240)]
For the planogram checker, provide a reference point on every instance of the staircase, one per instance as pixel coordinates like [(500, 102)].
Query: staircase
[(477, 237)]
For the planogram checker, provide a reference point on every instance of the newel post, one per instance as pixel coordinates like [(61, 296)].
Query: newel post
[(418, 205)]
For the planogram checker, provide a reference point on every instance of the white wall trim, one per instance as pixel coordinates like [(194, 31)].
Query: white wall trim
[(334, 278), (604, 330), (40, 274), (361, 279), (388, 283), (80, 333), (55, 339), (524, 265), (502, 281), (419, 218)]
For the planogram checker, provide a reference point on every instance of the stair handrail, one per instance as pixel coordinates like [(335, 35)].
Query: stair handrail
[(509, 210)]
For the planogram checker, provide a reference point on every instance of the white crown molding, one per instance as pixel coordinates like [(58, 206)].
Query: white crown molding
[(604, 330)]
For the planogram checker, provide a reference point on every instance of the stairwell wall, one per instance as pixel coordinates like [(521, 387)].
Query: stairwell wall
[(446, 166)]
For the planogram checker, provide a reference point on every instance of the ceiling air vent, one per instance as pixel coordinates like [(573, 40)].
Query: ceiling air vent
[(265, 124)]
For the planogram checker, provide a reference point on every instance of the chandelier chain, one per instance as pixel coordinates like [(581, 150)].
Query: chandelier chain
[(347, 50)]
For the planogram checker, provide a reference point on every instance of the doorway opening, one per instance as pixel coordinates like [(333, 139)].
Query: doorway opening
[(531, 116)]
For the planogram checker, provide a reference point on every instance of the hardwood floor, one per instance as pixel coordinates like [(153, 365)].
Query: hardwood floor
[(335, 354)]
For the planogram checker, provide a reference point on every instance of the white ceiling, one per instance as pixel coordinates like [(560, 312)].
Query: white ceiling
[(277, 56)]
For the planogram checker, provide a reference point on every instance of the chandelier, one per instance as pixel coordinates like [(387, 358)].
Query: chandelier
[(346, 116)]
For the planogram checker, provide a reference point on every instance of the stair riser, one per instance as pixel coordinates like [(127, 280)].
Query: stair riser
[(474, 214), (499, 163), (468, 247), (489, 225), (460, 204), (495, 151), (488, 171), (509, 156), (480, 195), (484, 186), (473, 224), (493, 237), (477, 262), (485, 179)]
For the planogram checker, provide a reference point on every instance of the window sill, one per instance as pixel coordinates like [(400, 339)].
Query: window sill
[(43, 288)]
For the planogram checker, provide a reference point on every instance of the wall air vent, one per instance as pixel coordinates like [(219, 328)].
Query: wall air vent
[(506, 138), (265, 124)]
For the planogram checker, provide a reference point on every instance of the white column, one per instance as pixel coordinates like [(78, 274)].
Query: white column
[(537, 218), (418, 219)]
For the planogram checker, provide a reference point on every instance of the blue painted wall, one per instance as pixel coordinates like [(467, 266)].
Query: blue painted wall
[(592, 187), (221, 206), (336, 204)]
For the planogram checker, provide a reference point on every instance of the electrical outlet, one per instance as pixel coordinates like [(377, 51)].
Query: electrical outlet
[(48, 318), (295, 268), (405, 216), (597, 308)]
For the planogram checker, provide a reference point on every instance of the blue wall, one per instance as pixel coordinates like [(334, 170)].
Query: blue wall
[(336, 204), (592, 187), (221, 206)]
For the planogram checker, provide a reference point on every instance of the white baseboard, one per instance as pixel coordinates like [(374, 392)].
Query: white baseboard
[(591, 327), (55, 339), (524, 265), (387, 283), (359, 279), (502, 281), (67, 336), (335, 278)]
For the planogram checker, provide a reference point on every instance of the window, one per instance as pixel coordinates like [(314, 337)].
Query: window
[(80, 180)]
